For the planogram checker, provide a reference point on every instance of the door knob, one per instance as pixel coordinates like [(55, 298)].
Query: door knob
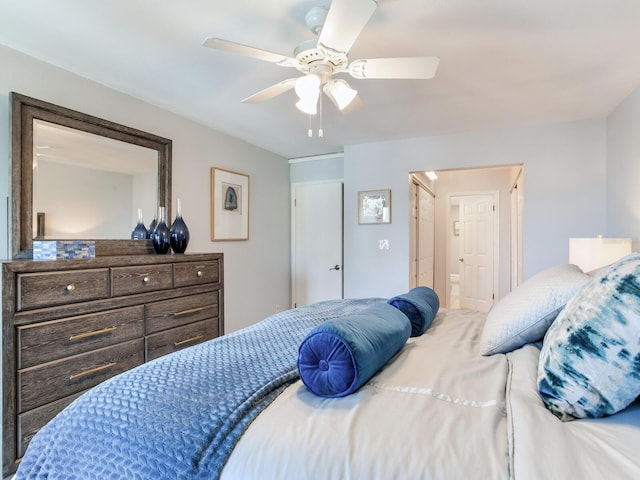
[(336, 267), (461, 259)]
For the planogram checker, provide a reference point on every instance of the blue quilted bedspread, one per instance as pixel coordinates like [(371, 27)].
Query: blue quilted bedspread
[(180, 416)]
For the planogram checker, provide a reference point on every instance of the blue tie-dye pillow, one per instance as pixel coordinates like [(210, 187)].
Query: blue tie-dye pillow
[(590, 359)]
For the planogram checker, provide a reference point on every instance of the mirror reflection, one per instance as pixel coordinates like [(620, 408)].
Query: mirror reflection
[(88, 186)]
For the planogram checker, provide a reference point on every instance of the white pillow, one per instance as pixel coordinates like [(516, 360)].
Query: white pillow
[(524, 315)]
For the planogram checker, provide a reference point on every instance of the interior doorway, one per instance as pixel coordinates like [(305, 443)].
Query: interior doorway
[(474, 238), (447, 187)]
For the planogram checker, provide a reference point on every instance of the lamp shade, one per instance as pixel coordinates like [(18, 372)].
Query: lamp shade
[(308, 105), (592, 253), (340, 93), (308, 90)]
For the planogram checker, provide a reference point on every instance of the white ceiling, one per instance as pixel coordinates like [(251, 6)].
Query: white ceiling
[(502, 62), (69, 146)]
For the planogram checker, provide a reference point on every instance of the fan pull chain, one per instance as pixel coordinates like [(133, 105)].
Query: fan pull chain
[(320, 130)]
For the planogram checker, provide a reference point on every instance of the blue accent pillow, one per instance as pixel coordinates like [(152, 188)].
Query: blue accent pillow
[(590, 359), (420, 304), (339, 356)]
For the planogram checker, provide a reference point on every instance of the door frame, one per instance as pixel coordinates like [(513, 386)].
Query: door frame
[(292, 236), (414, 247), (496, 239), (517, 210)]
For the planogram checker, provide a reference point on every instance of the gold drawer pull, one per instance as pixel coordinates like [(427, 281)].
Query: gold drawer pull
[(91, 371), (70, 288), (95, 333), (188, 340), (187, 312)]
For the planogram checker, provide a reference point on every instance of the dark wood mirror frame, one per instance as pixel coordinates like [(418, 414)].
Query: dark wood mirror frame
[(24, 110)]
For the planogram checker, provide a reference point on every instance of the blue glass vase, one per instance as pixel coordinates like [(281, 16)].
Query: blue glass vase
[(179, 232), (152, 227), (140, 232), (160, 235)]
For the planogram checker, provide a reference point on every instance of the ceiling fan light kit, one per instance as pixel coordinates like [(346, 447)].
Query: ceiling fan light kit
[(319, 59), (308, 90), (340, 93)]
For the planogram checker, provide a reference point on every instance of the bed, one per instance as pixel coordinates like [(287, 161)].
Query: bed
[(465, 398)]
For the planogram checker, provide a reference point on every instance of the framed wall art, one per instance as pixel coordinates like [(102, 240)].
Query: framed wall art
[(374, 206), (229, 205)]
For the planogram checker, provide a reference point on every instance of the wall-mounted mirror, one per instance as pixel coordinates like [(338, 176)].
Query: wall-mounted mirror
[(75, 176)]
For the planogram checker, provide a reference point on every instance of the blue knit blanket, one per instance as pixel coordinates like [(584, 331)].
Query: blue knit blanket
[(180, 416)]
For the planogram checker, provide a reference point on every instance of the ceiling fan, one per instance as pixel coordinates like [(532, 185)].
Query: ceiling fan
[(337, 29)]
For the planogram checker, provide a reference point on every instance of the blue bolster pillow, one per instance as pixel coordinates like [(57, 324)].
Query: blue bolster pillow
[(420, 304), (339, 356)]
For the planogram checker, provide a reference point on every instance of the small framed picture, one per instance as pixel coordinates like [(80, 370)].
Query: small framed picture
[(229, 205), (374, 206)]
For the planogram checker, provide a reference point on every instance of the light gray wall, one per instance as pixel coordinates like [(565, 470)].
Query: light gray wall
[(623, 170), (564, 175), (316, 170), (257, 269), (96, 203)]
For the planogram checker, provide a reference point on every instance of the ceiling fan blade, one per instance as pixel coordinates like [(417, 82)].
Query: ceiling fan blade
[(272, 91), (345, 20), (247, 51), (395, 68)]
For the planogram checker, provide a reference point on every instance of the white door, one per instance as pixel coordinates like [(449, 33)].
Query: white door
[(477, 237), (425, 237), (316, 242)]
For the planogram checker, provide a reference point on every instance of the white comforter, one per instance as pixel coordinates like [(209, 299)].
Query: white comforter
[(543, 447), (438, 410)]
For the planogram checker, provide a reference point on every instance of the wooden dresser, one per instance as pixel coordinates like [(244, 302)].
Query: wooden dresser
[(71, 324)]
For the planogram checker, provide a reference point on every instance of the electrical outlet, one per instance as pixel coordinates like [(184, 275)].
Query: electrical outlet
[(383, 244)]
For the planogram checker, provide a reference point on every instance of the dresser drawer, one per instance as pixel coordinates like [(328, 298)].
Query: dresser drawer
[(53, 381), (180, 311), (175, 339), (37, 290), (47, 341), (196, 273), (30, 422), (141, 278)]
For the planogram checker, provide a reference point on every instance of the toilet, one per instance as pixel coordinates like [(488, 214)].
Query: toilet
[(454, 290)]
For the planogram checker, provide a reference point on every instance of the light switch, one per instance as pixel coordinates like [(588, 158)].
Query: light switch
[(383, 244)]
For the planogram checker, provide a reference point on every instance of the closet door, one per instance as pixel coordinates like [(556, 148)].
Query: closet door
[(316, 242), (426, 237)]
